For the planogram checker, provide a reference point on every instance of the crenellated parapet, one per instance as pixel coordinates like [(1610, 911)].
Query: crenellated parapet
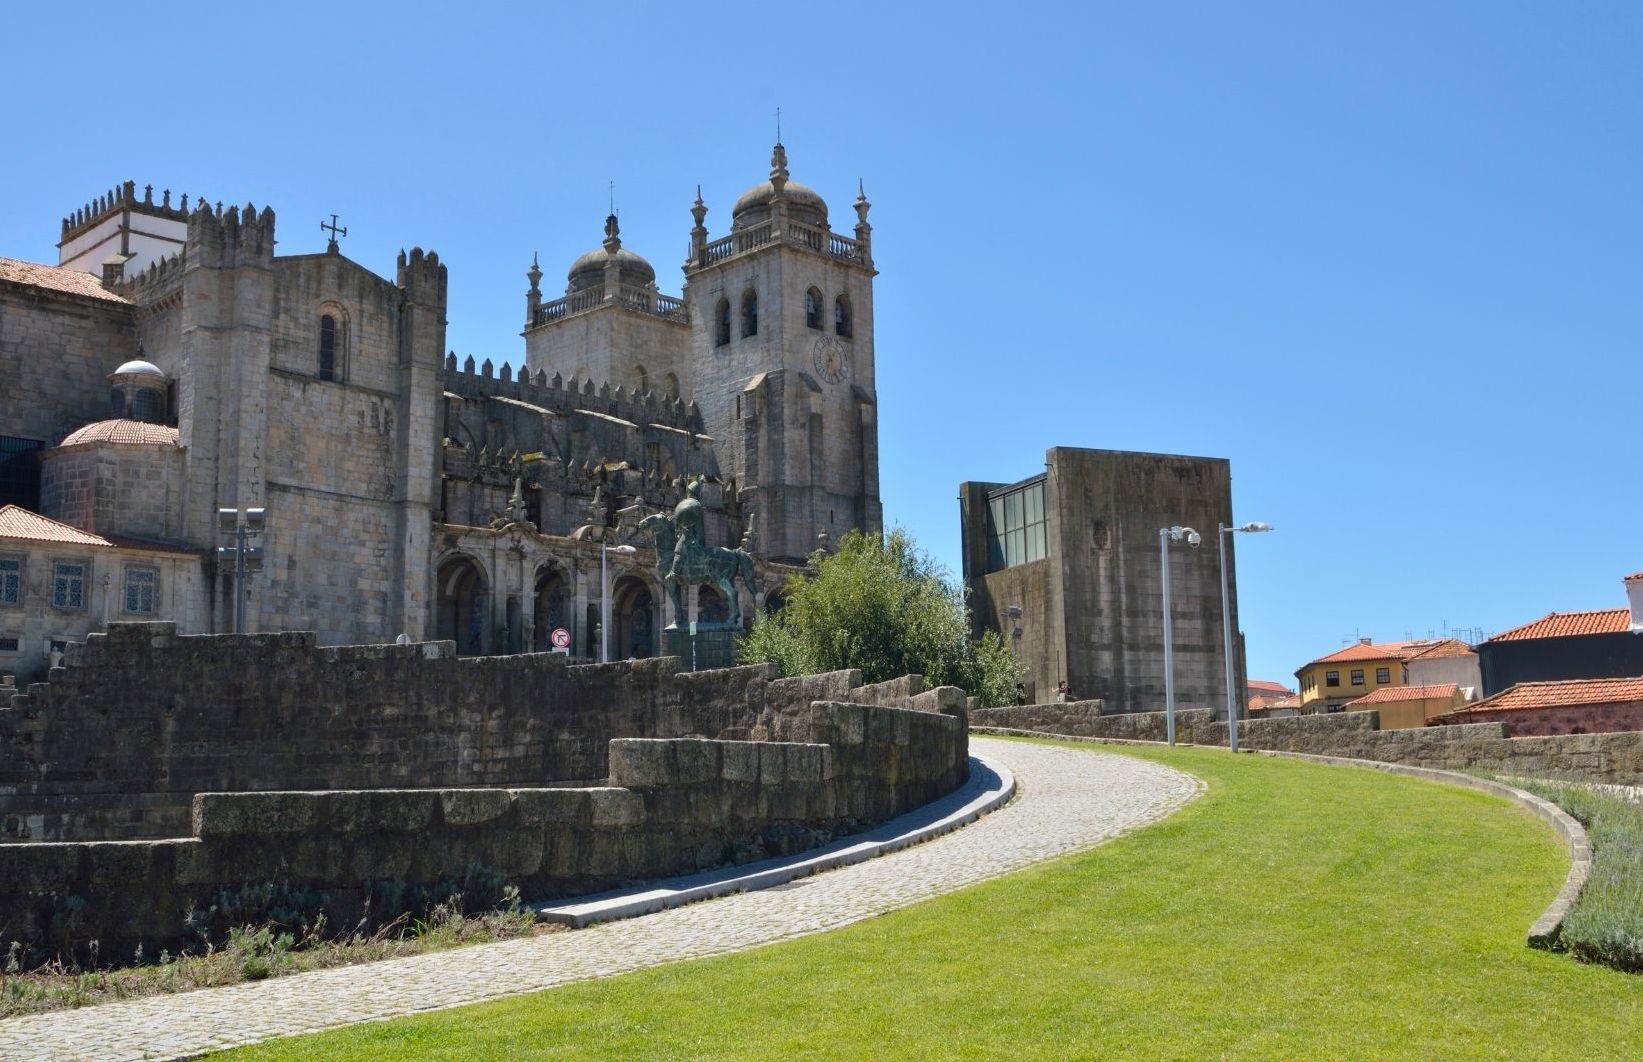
[(156, 284), (557, 395), (422, 277), (122, 197), (223, 238)]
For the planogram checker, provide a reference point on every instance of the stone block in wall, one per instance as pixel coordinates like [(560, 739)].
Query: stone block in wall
[(949, 700), (470, 807), (570, 808), (374, 810), (643, 762), (223, 814), (698, 760), (615, 807), (739, 762)]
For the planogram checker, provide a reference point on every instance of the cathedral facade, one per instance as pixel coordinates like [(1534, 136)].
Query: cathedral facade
[(408, 491)]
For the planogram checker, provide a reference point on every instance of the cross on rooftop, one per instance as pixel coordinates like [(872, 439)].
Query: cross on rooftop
[(335, 230)]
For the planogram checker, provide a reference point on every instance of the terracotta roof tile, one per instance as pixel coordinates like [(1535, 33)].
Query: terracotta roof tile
[(56, 278), (1441, 691), (1633, 577), (1260, 704), (1371, 651), (123, 431), (1569, 624), (1269, 686), (1559, 694), (18, 522)]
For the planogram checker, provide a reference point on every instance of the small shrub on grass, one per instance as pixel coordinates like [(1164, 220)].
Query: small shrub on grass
[(1606, 924)]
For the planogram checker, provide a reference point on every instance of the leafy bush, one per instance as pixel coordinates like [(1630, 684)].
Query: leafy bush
[(886, 607)]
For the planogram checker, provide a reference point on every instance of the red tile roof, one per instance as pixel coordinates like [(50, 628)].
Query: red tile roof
[(1568, 624), (1445, 648), (1441, 691), (1261, 704), (1359, 651), (56, 278), (1269, 686), (123, 431), (1633, 577), (18, 522), (1559, 694)]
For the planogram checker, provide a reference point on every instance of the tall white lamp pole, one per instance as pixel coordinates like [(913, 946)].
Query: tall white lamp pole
[(604, 598), (1166, 535), (1223, 533)]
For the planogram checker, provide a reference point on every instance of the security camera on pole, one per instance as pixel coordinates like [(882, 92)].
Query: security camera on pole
[(1166, 535)]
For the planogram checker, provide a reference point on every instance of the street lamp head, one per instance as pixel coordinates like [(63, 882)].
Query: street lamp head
[(1256, 525), (624, 550), (1193, 537)]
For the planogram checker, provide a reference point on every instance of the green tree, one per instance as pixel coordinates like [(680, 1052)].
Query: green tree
[(886, 607)]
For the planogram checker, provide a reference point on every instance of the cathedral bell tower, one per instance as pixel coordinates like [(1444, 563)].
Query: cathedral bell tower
[(781, 361)]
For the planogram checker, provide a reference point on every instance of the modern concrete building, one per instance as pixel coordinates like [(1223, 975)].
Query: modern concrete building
[(1066, 565)]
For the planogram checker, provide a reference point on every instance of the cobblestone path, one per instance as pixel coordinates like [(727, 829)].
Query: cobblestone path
[(1068, 799)]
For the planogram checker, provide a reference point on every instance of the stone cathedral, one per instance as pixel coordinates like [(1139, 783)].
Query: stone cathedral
[(171, 364)]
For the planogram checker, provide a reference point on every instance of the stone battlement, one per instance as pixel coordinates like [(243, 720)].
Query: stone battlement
[(557, 395)]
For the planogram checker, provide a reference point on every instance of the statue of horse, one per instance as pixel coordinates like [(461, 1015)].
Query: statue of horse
[(710, 564)]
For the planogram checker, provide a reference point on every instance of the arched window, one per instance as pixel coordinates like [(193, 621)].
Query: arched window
[(641, 380), (721, 335), (672, 383), (327, 347), (750, 313), (813, 309), (841, 316)]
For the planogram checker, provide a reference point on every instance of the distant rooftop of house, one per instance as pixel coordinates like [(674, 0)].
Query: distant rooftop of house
[(1566, 693), (18, 522), (1446, 647), (1268, 686), (1440, 691), (1570, 624)]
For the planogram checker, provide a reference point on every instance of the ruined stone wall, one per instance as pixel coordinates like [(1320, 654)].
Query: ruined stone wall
[(1087, 719), (672, 806), (139, 720), (1615, 758)]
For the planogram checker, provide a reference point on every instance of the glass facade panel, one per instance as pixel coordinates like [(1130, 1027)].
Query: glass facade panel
[(1016, 528)]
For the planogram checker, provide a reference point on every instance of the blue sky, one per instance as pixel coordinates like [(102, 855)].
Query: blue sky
[(1387, 258)]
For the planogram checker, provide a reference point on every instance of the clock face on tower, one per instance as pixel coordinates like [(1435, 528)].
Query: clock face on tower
[(832, 359)]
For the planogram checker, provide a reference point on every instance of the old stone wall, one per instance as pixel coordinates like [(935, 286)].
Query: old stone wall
[(56, 351), (1615, 758), (672, 806), (1087, 719), (1572, 719), (141, 719), (118, 489)]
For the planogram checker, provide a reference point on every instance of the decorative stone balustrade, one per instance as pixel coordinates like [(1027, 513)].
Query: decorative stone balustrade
[(794, 234)]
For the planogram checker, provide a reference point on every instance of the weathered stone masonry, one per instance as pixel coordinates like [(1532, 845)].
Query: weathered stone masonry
[(370, 745)]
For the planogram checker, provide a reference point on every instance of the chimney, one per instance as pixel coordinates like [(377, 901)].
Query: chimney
[(1634, 598), (1364, 641)]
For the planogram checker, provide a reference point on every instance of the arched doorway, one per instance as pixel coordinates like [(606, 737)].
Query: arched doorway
[(551, 608), (463, 605), (632, 620), (774, 602)]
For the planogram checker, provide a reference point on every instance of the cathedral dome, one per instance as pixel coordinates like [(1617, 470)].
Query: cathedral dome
[(588, 271), (803, 202), (123, 431), (139, 368)]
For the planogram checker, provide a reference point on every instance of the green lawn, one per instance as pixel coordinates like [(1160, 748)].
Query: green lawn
[(1295, 910)]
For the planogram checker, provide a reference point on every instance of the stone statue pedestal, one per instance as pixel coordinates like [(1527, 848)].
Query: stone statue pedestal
[(715, 645)]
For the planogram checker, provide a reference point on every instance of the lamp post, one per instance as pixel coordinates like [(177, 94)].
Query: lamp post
[(241, 525), (604, 597), (1166, 535), (1222, 534)]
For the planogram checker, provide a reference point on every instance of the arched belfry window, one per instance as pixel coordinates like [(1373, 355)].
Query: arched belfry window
[(841, 317), (813, 309), (333, 342), (750, 313), (721, 334), (327, 347)]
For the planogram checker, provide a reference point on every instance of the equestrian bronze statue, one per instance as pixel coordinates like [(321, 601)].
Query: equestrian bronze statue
[(683, 557)]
